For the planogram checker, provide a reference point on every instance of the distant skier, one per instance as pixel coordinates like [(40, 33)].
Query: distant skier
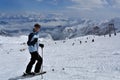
[(33, 46)]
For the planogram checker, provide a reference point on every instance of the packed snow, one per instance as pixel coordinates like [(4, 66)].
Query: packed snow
[(64, 59)]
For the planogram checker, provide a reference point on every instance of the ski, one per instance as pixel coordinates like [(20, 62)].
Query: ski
[(33, 74)]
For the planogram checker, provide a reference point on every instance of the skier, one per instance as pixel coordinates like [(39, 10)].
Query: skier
[(33, 46)]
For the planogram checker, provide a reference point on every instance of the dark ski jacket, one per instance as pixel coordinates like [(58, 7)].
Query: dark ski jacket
[(32, 42)]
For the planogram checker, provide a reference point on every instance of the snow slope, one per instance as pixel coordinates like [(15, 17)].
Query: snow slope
[(99, 60)]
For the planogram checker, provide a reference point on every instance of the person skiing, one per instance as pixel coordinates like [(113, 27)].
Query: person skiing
[(33, 46)]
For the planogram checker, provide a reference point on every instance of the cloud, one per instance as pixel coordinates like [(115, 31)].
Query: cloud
[(117, 4), (95, 8), (94, 4), (111, 2), (88, 4), (79, 8), (54, 2)]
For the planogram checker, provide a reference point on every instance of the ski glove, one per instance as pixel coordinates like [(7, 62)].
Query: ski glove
[(41, 45)]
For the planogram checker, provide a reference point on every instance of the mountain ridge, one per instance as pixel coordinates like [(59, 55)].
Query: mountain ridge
[(55, 26)]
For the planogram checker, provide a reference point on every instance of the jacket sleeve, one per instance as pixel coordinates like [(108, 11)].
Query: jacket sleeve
[(29, 39), (33, 41)]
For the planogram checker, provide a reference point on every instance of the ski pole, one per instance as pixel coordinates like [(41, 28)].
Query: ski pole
[(42, 62)]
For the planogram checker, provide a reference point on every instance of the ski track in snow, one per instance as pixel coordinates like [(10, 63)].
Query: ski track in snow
[(99, 60)]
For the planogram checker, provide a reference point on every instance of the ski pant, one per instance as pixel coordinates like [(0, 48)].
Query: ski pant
[(34, 57)]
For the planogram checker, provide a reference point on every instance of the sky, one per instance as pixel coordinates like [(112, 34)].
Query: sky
[(93, 9)]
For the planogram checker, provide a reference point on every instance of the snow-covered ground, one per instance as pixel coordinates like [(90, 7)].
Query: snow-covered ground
[(99, 60)]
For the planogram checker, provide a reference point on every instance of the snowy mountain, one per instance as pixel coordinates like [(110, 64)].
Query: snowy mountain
[(64, 59), (55, 26)]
